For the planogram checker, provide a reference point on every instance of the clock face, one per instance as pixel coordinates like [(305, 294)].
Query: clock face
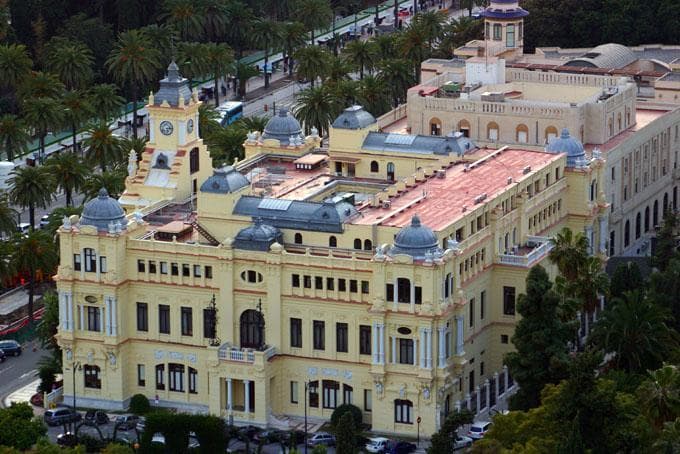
[(166, 128), (190, 126)]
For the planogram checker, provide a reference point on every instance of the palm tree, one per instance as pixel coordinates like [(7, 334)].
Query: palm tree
[(162, 37), (78, 111), (6, 271), (345, 92), (253, 123), (186, 16), (133, 61), (293, 35), (105, 101), (113, 181), (8, 218), (386, 46), (41, 85), (397, 75), (316, 107), (659, 395), (102, 147), (225, 144), (44, 114), (15, 64), (207, 121), (361, 54), (240, 18), (456, 33), (214, 19), (337, 70), (635, 331), (431, 24), (69, 173), (313, 14), (311, 63), (591, 282), (568, 253), (192, 59), (34, 253), (266, 33), (243, 73), (220, 60), (131, 143), (32, 187), (71, 60), (413, 44), (374, 96), (13, 136)]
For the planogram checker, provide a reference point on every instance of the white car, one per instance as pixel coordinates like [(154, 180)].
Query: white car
[(462, 442), (44, 221), (478, 430), (378, 444)]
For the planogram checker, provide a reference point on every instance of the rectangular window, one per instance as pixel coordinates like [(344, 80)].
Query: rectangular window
[(176, 377), (341, 337), (405, 351), (330, 283), (90, 260), (342, 285), (91, 375), (471, 314), (160, 376), (368, 400), (187, 321), (142, 317), (510, 36), (141, 375), (307, 281), (314, 394), (208, 272), (174, 269), (508, 300), (186, 270), (93, 319), (504, 338), (296, 332), (389, 292), (482, 304), (164, 319), (330, 393), (364, 340), (197, 270), (319, 335), (193, 381), (293, 392), (418, 294), (353, 288), (481, 369), (295, 281), (76, 262), (403, 411), (141, 266), (209, 323), (102, 264), (164, 267), (318, 282), (152, 267)]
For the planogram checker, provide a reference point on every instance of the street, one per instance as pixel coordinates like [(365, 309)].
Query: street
[(18, 371)]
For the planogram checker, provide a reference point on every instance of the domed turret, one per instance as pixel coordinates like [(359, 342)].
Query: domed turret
[(565, 143), (173, 88), (224, 180), (354, 117), (281, 127), (258, 237), (416, 240), (102, 212)]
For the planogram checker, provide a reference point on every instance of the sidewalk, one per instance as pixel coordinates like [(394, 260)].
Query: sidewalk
[(24, 395)]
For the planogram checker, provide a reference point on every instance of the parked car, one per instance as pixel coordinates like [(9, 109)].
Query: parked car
[(141, 424), (249, 432), (66, 440), (44, 221), (294, 436), (127, 422), (378, 444), (321, 438), (462, 442), (10, 347), (23, 228), (269, 436), (97, 417), (478, 429), (57, 416), (3, 356), (402, 447)]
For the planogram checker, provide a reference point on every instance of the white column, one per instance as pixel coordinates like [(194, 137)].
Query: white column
[(246, 384), (460, 342), (479, 398), (443, 288), (505, 377), (100, 310), (114, 316), (70, 325), (230, 403), (96, 264), (495, 380), (82, 264), (374, 340), (394, 350), (604, 227), (395, 294), (428, 359), (413, 297), (152, 130), (442, 346), (80, 317), (107, 315), (467, 401), (422, 348), (415, 351), (589, 235), (62, 311), (487, 389), (381, 329), (457, 405)]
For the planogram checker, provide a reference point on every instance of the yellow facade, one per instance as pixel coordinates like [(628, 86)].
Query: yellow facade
[(401, 336)]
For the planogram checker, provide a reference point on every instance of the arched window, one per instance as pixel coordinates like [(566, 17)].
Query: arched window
[(618, 121), (514, 235), (665, 204), (647, 219), (252, 329), (611, 127), (464, 127), (375, 167), (347, 392), (626, 234), (390, 171), (550, 133), (638, 225), (357, 243), (507, 242), (298, 238), (368, 245), (655, 214), (522, 134), (492, 131), (193, 160), (435, 127), (403, 411), (332, 242)]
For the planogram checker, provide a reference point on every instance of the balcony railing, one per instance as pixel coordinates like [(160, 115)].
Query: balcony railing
[(537, 247), (228, 352)]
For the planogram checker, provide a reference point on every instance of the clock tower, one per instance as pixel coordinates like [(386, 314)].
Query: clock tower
[(175, 161)]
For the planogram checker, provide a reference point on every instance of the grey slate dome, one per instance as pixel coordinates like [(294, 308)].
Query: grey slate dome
[(416, 240), (576, 155), (102, 211), (258, 237), (354, 117), (282, 126), (224, 181), (173, 87), (609, 55)]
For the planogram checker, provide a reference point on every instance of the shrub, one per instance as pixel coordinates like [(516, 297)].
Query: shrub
[(344, 408), (47, 374), (139, 404)]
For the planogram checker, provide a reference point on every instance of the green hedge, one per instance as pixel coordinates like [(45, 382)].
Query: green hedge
[(209, 430)]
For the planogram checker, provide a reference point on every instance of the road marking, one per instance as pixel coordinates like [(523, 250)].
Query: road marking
[(33, 372)]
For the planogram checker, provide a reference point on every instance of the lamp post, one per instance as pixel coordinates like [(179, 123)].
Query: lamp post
[(260, 326), (75, 367), (306, 384)]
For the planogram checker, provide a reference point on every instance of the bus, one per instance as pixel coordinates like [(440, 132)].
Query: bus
[(229, 112)]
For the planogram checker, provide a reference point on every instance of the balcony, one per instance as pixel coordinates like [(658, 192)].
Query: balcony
[(228, 352), (536, 248)]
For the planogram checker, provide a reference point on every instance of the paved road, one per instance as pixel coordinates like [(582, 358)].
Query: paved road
[(17, 372)]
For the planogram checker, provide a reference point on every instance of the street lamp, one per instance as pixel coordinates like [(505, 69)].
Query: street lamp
[(306, 386), (75, 367)]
